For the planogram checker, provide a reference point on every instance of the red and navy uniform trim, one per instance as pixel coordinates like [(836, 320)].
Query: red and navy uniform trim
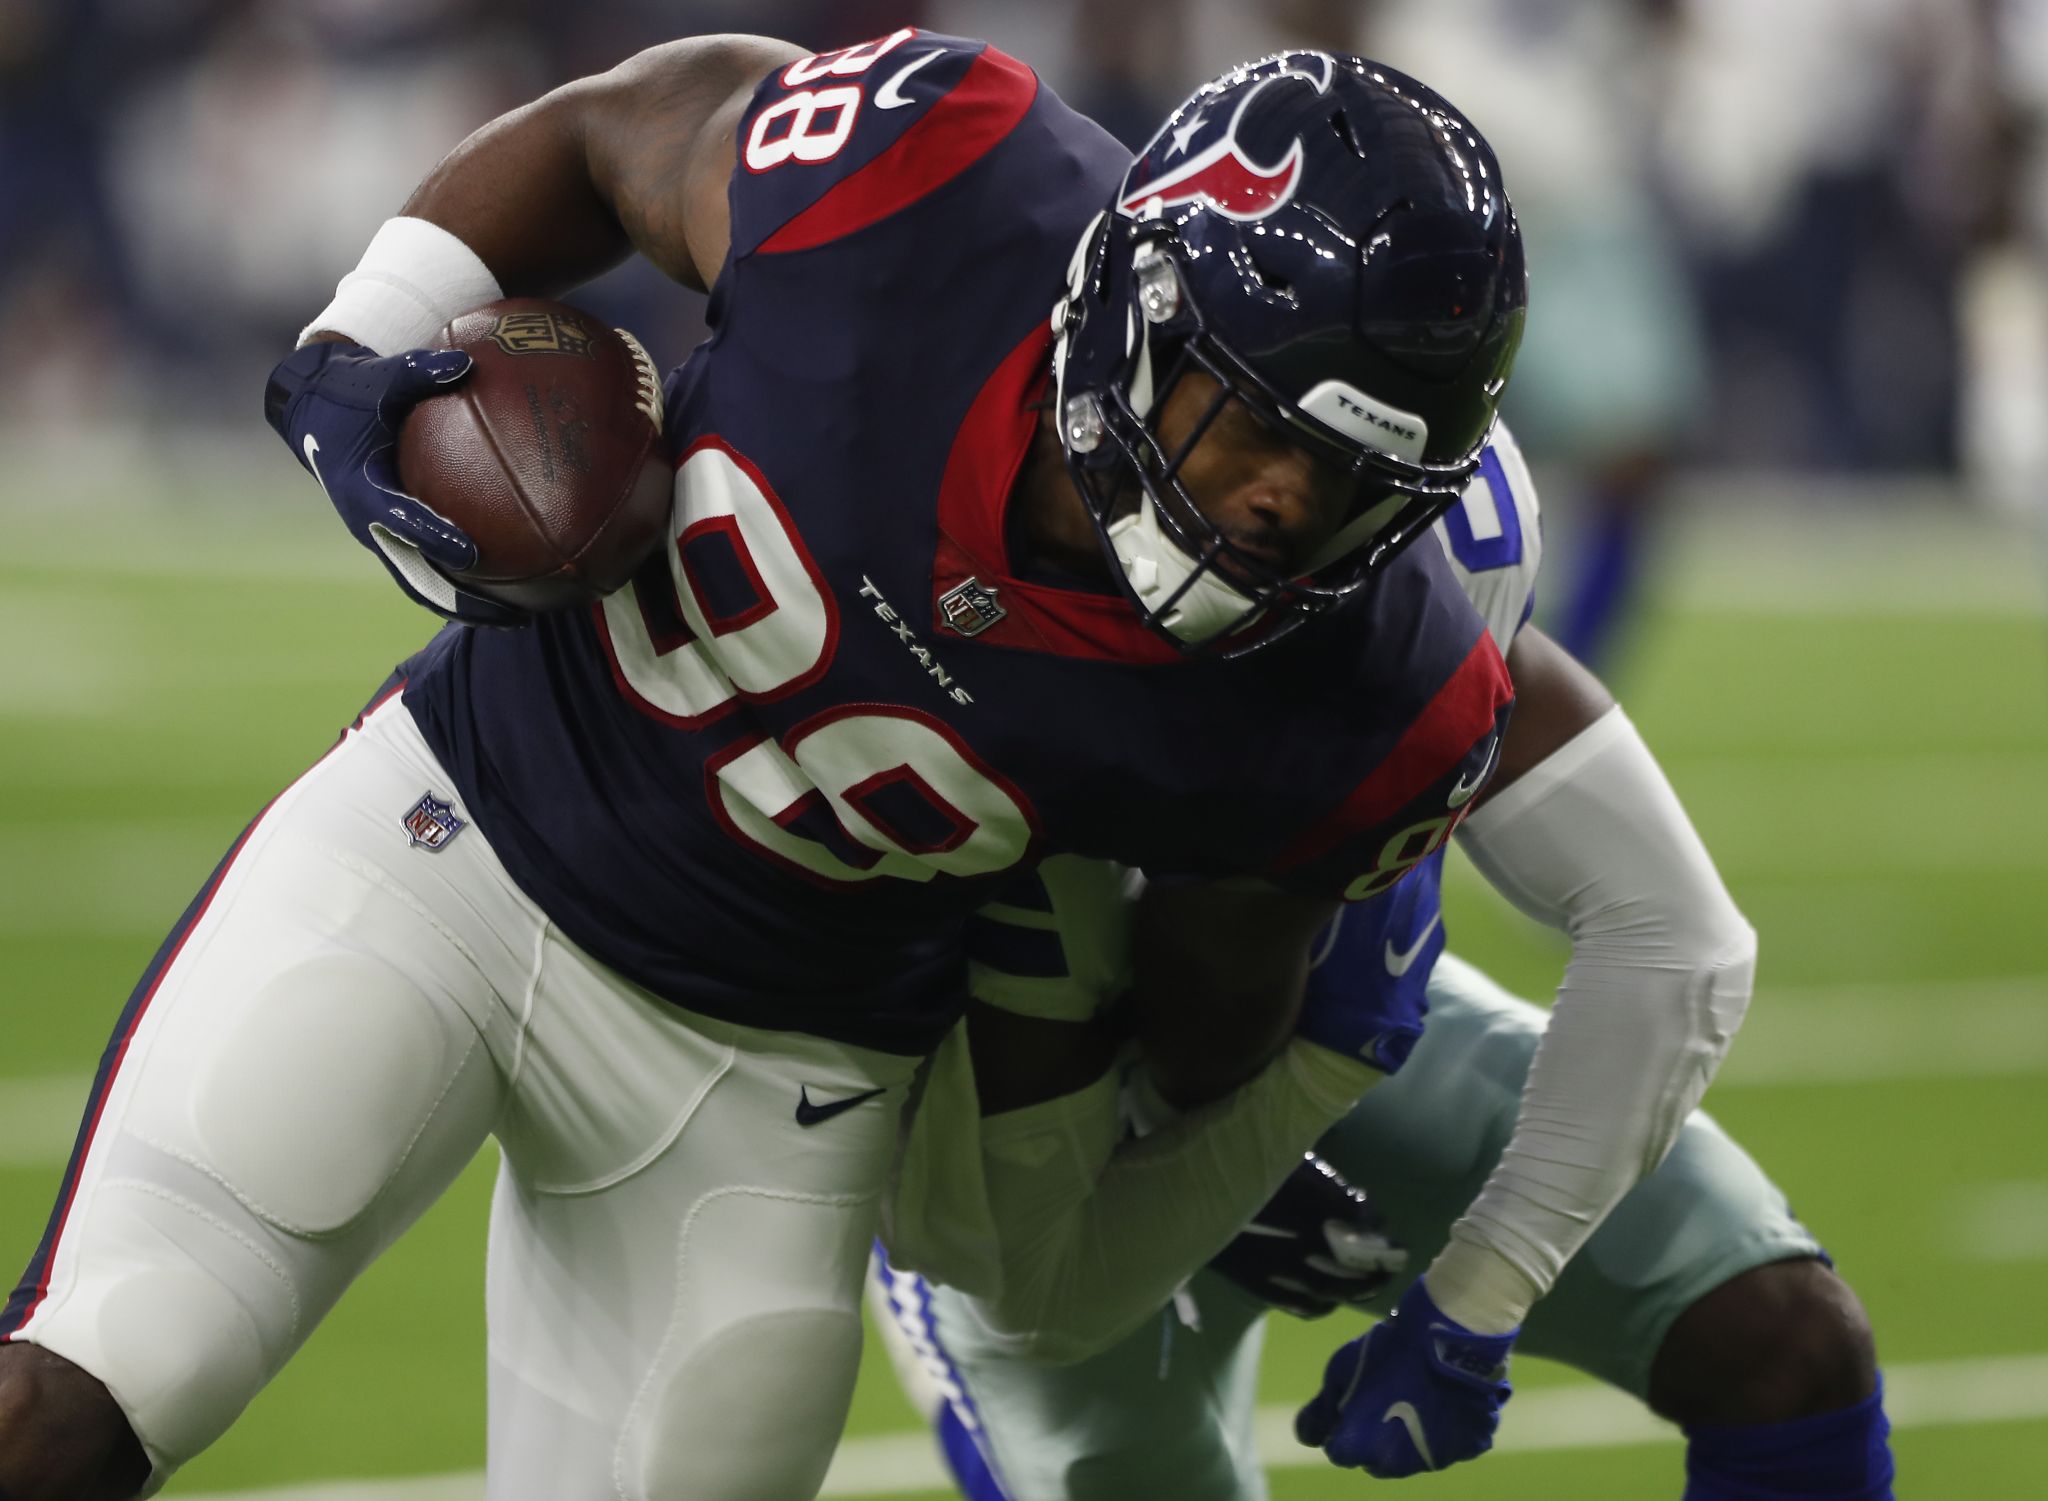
[(981, 470), (1465, 710), (974, 116), (35, 1281)]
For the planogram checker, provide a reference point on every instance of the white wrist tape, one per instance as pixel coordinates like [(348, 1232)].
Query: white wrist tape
[(412, 282), (1593, 841)]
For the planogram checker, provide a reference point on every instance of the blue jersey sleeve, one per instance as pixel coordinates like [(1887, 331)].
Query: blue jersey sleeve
[(1494, 539), (839, 141)]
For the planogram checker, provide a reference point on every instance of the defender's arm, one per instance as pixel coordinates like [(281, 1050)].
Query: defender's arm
[(1584, 833), (1219, 967), (1086, 1232)]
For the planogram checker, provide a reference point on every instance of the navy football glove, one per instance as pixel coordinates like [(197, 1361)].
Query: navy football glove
[(339, 407), (1418, 1392), (1318, 1243)]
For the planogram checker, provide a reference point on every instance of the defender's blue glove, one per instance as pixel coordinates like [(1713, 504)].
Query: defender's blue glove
[(1418, 1392), (339, 407), (1316, 1244)]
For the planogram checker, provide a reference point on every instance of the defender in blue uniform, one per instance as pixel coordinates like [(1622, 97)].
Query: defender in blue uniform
[(1028, 500), (1699, 1294)]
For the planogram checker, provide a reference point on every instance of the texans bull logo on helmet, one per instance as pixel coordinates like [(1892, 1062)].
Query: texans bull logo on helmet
[(1200, 158)]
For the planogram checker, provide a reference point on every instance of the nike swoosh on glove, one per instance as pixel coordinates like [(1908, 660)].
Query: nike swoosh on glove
[(1419, 1391), (338, 407)]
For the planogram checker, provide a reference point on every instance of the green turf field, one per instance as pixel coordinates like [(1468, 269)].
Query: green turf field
[(1870, 768)]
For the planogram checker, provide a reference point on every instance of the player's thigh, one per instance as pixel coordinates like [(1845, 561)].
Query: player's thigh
[(303, 1068), (1423, 1143), (1167, 1412), (676, 1256)]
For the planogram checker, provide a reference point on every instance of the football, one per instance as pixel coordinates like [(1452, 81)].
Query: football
[(548, 454)]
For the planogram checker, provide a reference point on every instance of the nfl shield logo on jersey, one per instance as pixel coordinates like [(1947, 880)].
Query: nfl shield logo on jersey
[(970, 608), (431, 823)]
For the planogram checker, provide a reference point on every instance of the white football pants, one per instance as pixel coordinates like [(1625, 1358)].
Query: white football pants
[(340, 1021)]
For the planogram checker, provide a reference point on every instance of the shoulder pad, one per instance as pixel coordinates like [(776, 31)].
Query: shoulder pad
[(840, 140), (1494, 539)]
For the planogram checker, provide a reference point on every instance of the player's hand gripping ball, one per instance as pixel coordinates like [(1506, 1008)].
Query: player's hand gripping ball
[(548, 455), (1418, 1392)]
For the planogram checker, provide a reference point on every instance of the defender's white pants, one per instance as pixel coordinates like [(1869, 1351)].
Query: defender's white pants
[(340, 1021)]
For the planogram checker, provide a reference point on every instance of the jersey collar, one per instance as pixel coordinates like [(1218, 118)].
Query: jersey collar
[(980, 478)]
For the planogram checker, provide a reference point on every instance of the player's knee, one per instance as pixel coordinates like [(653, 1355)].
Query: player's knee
[(309, 1105), (62, 1436), (751, 1388), (752, 1413), (1777, 1343)]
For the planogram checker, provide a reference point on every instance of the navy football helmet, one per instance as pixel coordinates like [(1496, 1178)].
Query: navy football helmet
[(1328, 240)]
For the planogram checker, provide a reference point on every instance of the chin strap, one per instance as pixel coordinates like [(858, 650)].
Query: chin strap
[(1158, 570)]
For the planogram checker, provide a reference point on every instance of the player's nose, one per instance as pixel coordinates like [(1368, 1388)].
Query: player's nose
[(1283, 515)]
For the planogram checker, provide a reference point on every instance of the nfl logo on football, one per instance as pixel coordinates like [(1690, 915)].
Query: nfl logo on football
[(969, 608), (431, 823)]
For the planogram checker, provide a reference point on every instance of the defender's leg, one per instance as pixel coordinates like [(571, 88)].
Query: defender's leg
[(1774, 1377), (1167, 1412), (1771, 1345), (1701, 1293)]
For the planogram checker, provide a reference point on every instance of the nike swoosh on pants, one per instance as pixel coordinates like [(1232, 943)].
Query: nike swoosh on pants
[(808, 1114)]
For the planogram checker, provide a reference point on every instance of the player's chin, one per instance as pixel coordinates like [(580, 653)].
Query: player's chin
[(1256, 567)]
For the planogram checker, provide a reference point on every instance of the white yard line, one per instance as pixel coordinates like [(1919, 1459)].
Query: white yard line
[(1794, 1036), (39, 1118), (1859, 1034), (2000, 1222), (1949, 1393)]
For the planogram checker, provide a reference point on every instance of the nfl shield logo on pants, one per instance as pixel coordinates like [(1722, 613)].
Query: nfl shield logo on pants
[(431, 823)]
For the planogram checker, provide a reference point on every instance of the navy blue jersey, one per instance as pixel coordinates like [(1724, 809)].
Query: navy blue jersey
[(770, 780)]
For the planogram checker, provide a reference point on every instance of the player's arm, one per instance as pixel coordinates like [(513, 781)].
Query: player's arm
[(1219, 967), (1219, 977), (1582, 832), (635, 159), (1020, 1184), (545, 197)]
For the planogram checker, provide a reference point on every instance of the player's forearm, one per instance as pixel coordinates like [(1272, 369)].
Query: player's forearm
[(1594, 841), (559, 190), (1219, 972), (1093, 1240)]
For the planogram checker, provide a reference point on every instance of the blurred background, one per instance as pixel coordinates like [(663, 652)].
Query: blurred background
[(1767, 238), (1785, 385)]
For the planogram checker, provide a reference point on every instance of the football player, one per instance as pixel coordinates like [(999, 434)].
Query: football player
[(1041, 1355), (668, 895), (1700, 1295)]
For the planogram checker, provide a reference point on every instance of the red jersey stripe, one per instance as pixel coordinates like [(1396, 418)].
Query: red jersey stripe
[(976, 113), (1464, 710), (981, 469)]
